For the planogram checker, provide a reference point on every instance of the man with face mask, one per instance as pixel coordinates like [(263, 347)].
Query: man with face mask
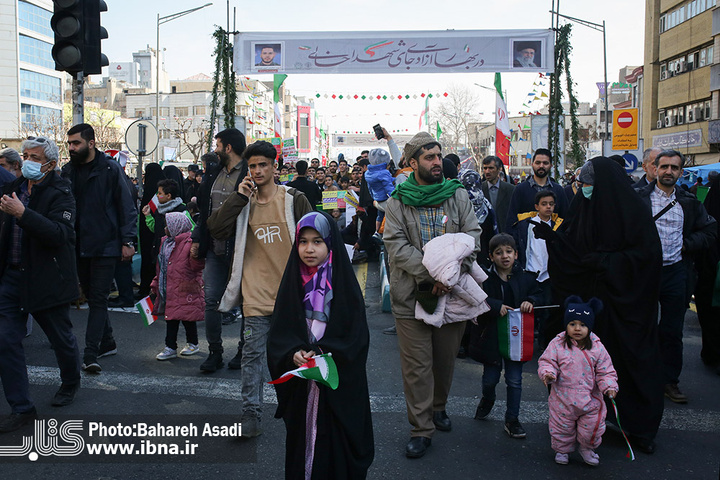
[(37, 275), (106, 228), (220, 181)]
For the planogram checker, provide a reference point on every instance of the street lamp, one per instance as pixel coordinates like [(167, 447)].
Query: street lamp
[(161, 21), (599, 28)]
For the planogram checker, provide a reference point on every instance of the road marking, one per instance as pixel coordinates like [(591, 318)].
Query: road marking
[(685, 419)]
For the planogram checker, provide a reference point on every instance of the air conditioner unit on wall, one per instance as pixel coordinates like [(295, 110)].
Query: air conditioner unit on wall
[(669, 121), (664, 75), (659, 124), (678, 67), (680, 120)]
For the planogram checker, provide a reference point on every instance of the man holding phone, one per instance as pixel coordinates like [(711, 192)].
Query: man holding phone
[(219, 183), (261, 216)]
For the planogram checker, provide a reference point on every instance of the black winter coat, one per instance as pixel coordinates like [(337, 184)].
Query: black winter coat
[(484, 345), (106, 215), (49, 273)]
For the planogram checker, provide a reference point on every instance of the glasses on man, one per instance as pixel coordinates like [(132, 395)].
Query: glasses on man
[(38, 139)]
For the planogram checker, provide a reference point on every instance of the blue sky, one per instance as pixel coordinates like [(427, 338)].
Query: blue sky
[(132, 26)]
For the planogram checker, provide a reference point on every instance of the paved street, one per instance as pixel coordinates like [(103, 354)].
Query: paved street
[(133, 382)]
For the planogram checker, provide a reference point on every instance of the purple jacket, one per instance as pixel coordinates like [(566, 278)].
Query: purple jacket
[(185, 299)]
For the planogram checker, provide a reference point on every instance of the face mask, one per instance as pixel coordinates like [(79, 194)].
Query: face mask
[(587, 191), (31, 170)]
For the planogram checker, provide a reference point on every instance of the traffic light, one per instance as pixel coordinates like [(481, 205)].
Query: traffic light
[(94, 58), (67, 22), (78, 35)]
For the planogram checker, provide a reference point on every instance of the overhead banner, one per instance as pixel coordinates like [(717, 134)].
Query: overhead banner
[(394, 52)]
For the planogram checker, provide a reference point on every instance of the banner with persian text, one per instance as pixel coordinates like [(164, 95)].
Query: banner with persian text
[(394, 52)]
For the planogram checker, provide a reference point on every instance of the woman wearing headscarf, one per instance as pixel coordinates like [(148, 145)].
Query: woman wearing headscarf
[(153, 174), (608, 247), (320, 309), (708, 311), (173, 173), (472, 181)]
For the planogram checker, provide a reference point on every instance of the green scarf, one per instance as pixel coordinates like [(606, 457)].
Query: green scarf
[(415, 195)]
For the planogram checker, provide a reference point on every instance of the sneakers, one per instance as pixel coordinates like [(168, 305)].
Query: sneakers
[(390, 330), (16, 421), (250, 426), (514, 429), (107, 350), (65, 395), (213, 363), (91, 366), (236, 362), (190, 349), (674, 394), (167, 354), (562, 458), (590, 457), (484, 408)]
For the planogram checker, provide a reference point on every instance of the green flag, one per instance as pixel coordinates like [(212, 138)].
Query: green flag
[(439, 131), (278, 80)]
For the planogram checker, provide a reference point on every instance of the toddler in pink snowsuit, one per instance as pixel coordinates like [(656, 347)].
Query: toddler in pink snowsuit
[(580, 371)]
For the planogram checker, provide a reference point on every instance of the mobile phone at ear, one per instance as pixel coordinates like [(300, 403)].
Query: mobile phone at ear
[(378, 131)]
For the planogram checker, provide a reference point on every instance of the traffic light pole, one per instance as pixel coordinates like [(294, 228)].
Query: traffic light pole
[(78, 103)]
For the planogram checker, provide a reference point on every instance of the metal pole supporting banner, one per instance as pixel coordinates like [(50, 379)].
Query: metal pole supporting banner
[(141, 152)]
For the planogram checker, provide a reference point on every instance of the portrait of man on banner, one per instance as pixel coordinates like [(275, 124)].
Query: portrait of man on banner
[(526, 53), (267, 55)]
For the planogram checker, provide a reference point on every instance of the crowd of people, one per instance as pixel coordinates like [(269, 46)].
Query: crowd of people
[(598, 273)]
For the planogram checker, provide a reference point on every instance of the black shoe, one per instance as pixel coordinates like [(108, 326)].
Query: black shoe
[(417, 446), (390, 330), (213, 363), (65, 395), (90, 365), (228, 319), (236, 362), (117, 303), (674, 394), (107, 350), (484, 408), (15, 421), (645, 445), (514, 429), (442, 421)]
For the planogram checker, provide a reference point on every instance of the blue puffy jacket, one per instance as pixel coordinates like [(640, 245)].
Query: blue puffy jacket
[(380, 182)]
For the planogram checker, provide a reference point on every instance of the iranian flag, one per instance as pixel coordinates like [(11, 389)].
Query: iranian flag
[(516, 332), (320, 368), (145, 307), (153, 203), (502, 125)]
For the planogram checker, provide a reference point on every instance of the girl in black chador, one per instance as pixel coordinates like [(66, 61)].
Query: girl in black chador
[(320, 309)]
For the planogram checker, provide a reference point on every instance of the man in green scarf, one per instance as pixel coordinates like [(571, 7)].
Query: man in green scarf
[(422, 208)]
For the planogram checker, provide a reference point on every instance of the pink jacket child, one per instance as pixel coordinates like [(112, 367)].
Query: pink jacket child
[(179, 286), (580, 371)]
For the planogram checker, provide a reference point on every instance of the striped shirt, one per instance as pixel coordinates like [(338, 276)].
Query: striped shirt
[(669, 226), (432, 222)]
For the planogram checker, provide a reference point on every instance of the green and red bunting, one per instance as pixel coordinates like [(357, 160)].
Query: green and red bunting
[(516, 332), (320, 368), (145, 307)]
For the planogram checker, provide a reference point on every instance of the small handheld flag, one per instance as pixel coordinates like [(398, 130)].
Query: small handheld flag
[(516, 333), (630, 454), (145, 307), (320, 368), (153, 203)]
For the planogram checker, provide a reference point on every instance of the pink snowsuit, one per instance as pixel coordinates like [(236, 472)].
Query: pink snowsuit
[(577, 409)]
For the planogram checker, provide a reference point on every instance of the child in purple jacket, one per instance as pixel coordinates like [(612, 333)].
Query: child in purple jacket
[(179, 286)]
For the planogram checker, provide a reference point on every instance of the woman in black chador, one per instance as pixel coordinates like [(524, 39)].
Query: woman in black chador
[(320, 309), (608, 247)]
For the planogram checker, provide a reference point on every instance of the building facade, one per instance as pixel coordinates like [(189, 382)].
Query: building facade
[(32, 91), (680, 99)]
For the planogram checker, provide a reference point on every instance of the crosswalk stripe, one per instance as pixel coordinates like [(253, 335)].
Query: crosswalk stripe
[(532, 412)]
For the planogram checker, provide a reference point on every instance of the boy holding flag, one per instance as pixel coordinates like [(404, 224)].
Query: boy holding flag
[(503, 336)]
